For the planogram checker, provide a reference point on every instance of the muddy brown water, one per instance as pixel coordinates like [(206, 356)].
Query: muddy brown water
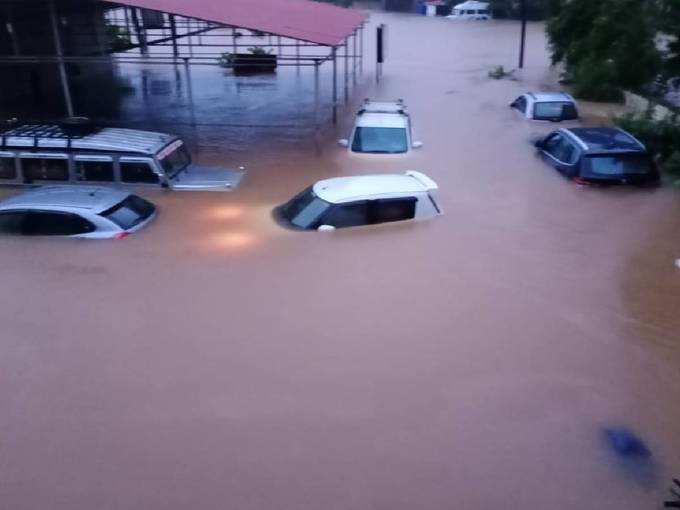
[(217, 361)]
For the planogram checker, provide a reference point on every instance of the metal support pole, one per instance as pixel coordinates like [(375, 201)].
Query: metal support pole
[(190, 91), (279, 43), (139, 30), (233, 41), (297, 55), (10, 30), (335, 85), (346, 71), (317, 139), (523, 36), (60, 57), (173, 33), (361, 50), (354, 59)]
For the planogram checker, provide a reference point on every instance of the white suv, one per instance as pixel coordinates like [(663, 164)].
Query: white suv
[(362, 200), (381, 127), (553, 106)]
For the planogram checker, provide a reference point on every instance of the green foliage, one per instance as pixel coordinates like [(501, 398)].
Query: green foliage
[(662, 138), (669, 21), (119, 38), (257, 50), (606, 46), (535, 9)]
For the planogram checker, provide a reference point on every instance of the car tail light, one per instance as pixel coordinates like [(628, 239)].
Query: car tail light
[(580, 181), (121, 235)]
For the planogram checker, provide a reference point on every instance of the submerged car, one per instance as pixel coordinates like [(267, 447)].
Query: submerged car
[(81, 153), (362, 200), (470, 10), (551, 106), (381, 127), (76, 211), (598, 155)]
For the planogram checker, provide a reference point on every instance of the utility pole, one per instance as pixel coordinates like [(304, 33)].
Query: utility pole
[(523, 37)]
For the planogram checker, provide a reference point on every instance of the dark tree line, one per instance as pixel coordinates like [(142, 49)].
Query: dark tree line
[(610, 45)]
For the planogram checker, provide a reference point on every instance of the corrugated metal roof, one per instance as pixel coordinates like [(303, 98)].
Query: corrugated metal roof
[(298, 19)]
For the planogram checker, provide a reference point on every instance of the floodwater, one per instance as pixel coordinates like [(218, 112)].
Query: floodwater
[(215, 361)]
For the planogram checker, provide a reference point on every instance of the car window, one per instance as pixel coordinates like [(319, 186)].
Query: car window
[(8, 169), (347, 215), (11, 222), (393, 209), (45, 169), (620, 164), (130, 212), (380, 140), (565, 151), (520, 104), (99, 171), (38, 223), (552, 143), (554, 110), (138, 172)]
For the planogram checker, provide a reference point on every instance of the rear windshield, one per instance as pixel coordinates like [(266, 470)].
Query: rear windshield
[(380, 140), (304, 210), (557, 110), (619, 164), (130, 212)]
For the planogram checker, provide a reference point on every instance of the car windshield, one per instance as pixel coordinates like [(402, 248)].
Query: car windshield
[(175, 161), (563, 110), (380, 140), (305, 209), (619, 164), (130, 212)]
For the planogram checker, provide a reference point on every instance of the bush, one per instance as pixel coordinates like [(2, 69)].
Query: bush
[(661, 137), (499, 72)]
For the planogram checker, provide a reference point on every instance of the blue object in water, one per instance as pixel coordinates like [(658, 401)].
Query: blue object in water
[(626, 444)]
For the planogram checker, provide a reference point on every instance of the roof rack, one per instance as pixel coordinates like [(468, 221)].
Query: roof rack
[(74, 128), (394, 106)]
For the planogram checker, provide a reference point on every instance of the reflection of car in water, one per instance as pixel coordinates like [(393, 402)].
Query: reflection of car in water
[(381, 127), (552, 106), (59, 154), (362, 200), (598, 155), (75, 211)]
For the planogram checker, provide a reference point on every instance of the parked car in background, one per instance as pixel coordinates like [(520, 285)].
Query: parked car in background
[(362, 200), (471, 10), (598, 155), (33, 154), (75, 211), (381, 127), (552, 106)]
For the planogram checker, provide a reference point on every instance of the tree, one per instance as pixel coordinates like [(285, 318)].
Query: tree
[(669, 21), (605, 46)]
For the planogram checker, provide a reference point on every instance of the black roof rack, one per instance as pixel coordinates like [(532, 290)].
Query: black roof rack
[(69, 129)]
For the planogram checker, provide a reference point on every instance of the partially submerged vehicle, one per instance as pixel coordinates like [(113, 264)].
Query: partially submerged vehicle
[(549, 106), (75, 211), (598, 155), (471, 10), (381, 127), (362, 200), (33, 154)]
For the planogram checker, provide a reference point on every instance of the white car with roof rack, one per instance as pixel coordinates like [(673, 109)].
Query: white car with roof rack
[(75, 211), (381, 127), (33, 154), (362, 200), (550, 106)]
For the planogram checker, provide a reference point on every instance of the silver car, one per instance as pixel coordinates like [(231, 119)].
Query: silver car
[(75, 211)]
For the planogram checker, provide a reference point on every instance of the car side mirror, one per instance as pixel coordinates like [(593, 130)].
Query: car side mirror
[(539, 144), (326, 228), (417, 145), (344, 142)]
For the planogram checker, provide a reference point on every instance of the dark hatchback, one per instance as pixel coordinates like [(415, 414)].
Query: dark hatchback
[(599, 156)]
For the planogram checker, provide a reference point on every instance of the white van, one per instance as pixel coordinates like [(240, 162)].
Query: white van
[(471, 10)]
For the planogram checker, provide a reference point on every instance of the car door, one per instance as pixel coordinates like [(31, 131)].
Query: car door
[(561, 153), (350, 214), (387, 210)]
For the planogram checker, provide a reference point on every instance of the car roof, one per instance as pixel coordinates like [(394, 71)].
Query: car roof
[(547, 97), (342, 189), (51, 136), (606, 140), (94, 199), (383, 120)]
